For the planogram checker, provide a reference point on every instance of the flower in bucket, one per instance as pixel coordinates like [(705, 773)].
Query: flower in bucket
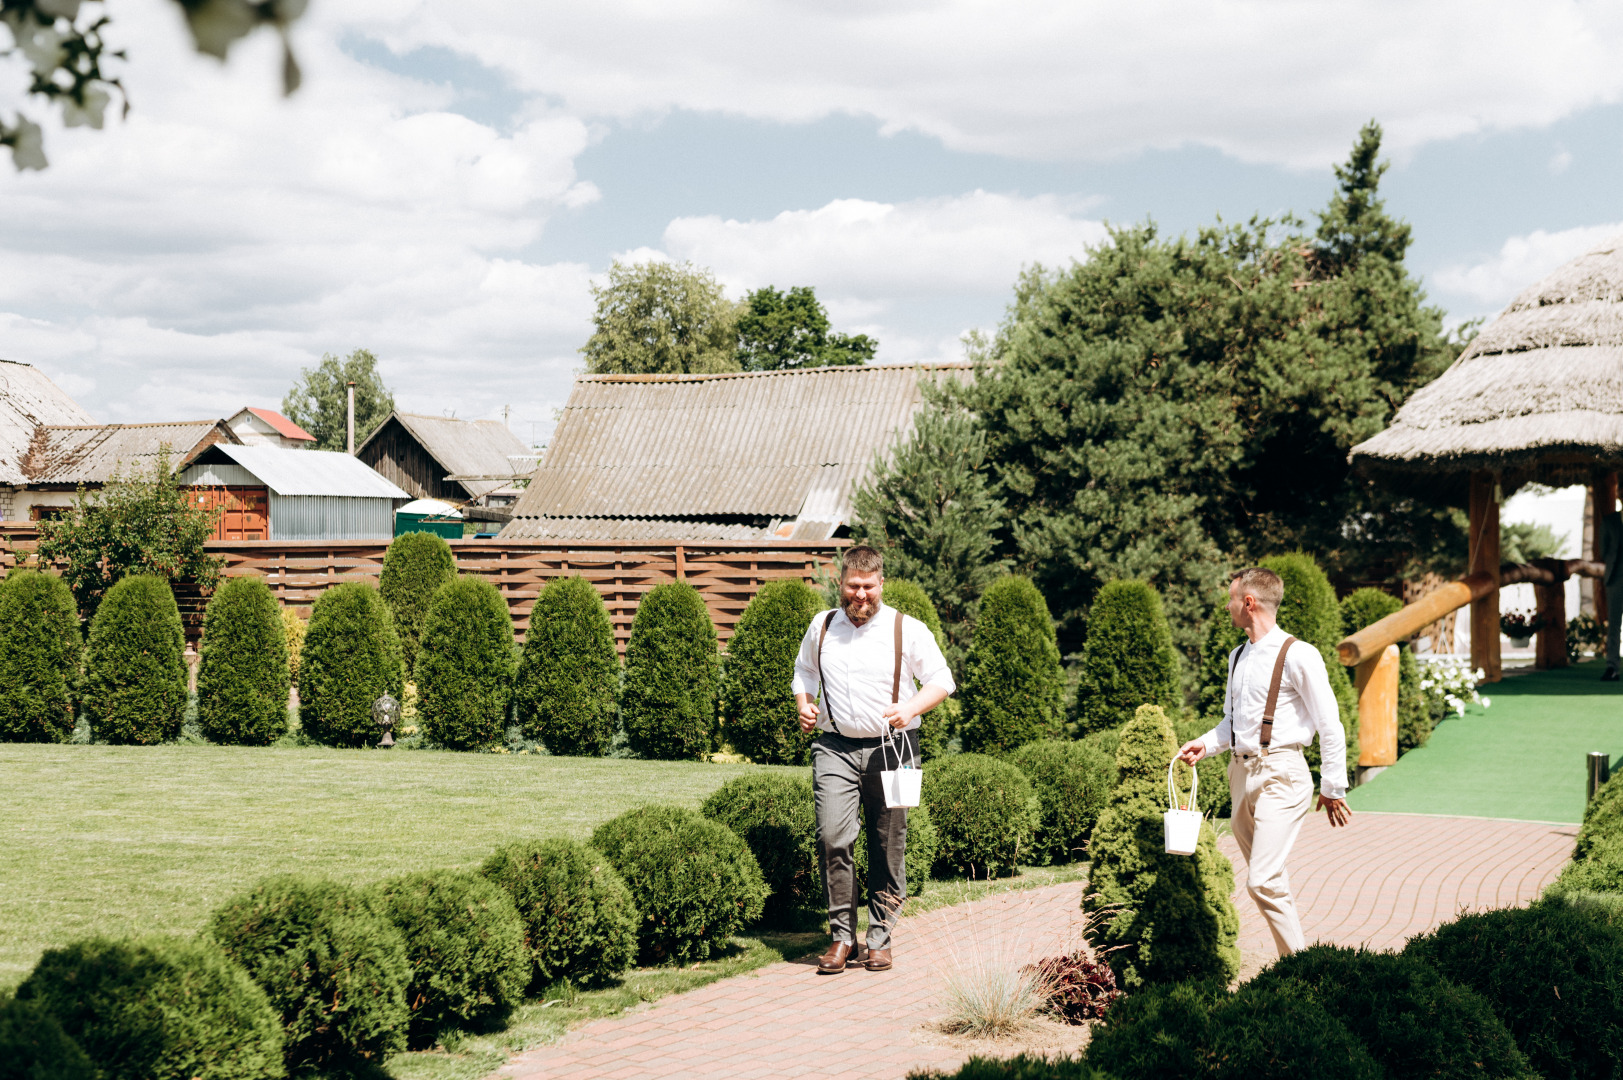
[(1520, 625)]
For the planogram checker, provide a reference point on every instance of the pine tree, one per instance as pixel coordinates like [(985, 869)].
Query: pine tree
[(1129, 659), (568, 682), (759, 716), (1011, 688)]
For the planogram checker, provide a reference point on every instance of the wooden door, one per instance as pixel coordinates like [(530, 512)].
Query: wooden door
[(244, 511)]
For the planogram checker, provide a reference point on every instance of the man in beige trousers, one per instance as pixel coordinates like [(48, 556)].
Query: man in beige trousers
[(1278, 696)]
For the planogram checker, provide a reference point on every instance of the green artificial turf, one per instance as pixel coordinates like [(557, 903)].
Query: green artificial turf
[(1522, 757)]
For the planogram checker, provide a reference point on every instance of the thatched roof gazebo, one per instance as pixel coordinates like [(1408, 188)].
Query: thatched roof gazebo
[(1537, 397)]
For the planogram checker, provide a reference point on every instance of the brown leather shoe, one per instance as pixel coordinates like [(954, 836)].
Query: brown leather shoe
[(878, 960), (833, 961)]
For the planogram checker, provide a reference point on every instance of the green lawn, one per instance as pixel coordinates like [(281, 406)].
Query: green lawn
[(1523, 757)]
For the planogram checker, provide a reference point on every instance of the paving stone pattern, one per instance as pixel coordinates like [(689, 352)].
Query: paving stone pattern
[(1379, 881)]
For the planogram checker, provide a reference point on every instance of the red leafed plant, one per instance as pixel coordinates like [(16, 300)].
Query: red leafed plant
[(1077, 988)]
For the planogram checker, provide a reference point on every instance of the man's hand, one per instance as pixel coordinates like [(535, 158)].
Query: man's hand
[(1192, 751), (897, 714), (1337, 809), (808, 715)]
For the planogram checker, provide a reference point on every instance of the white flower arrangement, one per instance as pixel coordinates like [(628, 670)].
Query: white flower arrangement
[(1450, 680)]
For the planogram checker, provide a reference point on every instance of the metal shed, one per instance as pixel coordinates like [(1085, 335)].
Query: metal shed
[(313, 494)]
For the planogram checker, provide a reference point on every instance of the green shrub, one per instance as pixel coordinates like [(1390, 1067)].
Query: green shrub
[(1213, 795), (135, 673), (941, 723), (333, 967), (774, 815), (414, 568), (1365, 607), (1603, 907), (568, 682), (1072, 781), (1415, 1023), (293, 629), (242, 678), (465, 948), (158, 1008), (693, 880), (1166, 918), (40, 652), (1551, 973), (923, 843), (668, 703), (1222, 638), (1012, 684), (1020, 1067), (1159, 1031), (351, 658), (33, 1045), (1309, 612), (983, 810), (465, 665), (758, 713), (1597, 857), (1128, 659), (579, 917)]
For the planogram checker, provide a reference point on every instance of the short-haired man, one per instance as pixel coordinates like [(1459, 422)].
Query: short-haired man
[(1277, 697), (863, 656)]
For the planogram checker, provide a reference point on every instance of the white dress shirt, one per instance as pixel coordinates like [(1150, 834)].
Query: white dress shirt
[(859, 664), (1306, 704)]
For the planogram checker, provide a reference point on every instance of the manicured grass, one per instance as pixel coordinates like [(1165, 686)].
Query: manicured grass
[(1523, 757)]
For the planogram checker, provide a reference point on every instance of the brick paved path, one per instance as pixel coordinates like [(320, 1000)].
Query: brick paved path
[(1383, 879)]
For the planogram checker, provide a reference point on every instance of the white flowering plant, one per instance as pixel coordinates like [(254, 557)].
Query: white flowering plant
[(1450, 684)]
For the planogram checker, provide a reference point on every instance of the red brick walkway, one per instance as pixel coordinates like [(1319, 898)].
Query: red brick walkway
[(1383, 879)]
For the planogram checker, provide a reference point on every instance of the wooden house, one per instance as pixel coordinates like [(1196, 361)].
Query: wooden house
[(475, 464), (278, 493)]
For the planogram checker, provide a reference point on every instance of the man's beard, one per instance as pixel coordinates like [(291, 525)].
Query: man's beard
[(859, 611)]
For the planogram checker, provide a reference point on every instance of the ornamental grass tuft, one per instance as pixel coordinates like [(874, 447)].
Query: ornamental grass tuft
[(40, 653), (351, 657), (135, 673), (668, 701), (465, 665), (569, 676), (242, 677)]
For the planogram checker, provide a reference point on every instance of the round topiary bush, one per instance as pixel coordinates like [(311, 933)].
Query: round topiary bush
[(1128, 660), (135, 672), (465, 665), (759, 717), (40, 652), (1163, 918), (465, 948), (33, 1045), (333, 967), (982, 810), (351, 658), (1072, 781), (941, 723), (580, 921), (293, 635), (668, 703), (158, 1008), (1518, 959), (1366, 607), (414, 568), (1019, 1067), (1414, 1022), (1012, 685), (242, 677), (923, 844), (774, 814), (1160, 1031), (693, 880), (1597, 857), (568, 682)]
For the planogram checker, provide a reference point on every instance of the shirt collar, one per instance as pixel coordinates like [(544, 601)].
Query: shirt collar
[(1274, 636)]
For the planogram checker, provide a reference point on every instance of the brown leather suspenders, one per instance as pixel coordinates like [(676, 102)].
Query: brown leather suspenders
[(1273, 695), (895, 679)]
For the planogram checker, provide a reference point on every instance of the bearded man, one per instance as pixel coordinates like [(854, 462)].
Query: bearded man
[(860, 656)]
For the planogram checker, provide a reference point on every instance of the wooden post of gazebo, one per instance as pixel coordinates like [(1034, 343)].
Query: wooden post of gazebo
[(1484, 559), (1550, 588), (1602, 498)]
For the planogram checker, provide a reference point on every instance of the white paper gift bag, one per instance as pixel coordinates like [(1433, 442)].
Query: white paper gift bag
[(904, 783), (1182, 826)]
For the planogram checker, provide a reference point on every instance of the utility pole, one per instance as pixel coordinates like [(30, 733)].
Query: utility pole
[(351, 426)]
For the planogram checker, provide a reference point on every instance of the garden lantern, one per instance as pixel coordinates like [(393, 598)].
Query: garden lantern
[(385, 710)]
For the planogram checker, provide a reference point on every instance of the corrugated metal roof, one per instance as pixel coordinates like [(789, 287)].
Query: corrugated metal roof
[(27, 400), (286, 470), (63, 454), (759, 444), (464, 448), (616, 528)]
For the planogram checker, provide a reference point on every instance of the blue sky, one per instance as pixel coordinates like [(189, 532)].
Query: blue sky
[(452, 177)]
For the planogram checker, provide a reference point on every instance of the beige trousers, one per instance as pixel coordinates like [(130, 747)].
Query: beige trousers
[(1271, 797)]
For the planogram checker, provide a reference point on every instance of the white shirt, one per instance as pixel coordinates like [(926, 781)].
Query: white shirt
[(859, 664), (1306, 704)]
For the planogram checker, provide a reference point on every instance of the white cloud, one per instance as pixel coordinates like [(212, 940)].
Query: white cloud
[(1522, 261)]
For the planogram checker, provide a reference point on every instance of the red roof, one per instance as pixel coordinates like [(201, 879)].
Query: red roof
[(284, 427)]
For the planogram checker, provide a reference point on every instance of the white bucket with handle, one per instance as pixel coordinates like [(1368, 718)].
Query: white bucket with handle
[(905, 783), (1182, 825)]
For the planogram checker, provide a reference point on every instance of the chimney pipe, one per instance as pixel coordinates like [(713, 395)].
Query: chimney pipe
[(351, 428)]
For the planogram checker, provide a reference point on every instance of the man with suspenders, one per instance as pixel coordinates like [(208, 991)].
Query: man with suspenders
[(1277, 697), (860, 656)]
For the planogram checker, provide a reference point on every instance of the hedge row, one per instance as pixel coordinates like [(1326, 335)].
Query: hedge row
[(1597, 857)]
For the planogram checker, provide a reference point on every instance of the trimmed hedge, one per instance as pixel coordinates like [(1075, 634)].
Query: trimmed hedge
[(940, 724), (693, 880), (774, 814), (1597, 857), (351, 658), (923, 842), (414, 567), (1012, 685), (578, 914), (668, 702), (465, 665), (1554, 976), (1165, 918), (465, 948), (1020, 1067), (135, 672), (293, 629), (1128, 660), (33, 1045), (758, 713), (242, 677), (568, 682), (333, 967), (159, 1008), (983, 811), (1072, 781), (1365, 607), (40, 653)]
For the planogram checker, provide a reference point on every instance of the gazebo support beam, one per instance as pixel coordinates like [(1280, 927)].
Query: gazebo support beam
[(1602, 497), (1484, 559), (1551, 648)]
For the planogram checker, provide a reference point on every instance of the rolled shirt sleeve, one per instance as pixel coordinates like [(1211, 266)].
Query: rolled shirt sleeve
[(1324, 713)]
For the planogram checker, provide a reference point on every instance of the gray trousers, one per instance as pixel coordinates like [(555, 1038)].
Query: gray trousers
[(845, 779)]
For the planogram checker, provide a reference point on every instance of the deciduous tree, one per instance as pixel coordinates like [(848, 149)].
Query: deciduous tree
[(661, 318), (783, 330), (319, 401)]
